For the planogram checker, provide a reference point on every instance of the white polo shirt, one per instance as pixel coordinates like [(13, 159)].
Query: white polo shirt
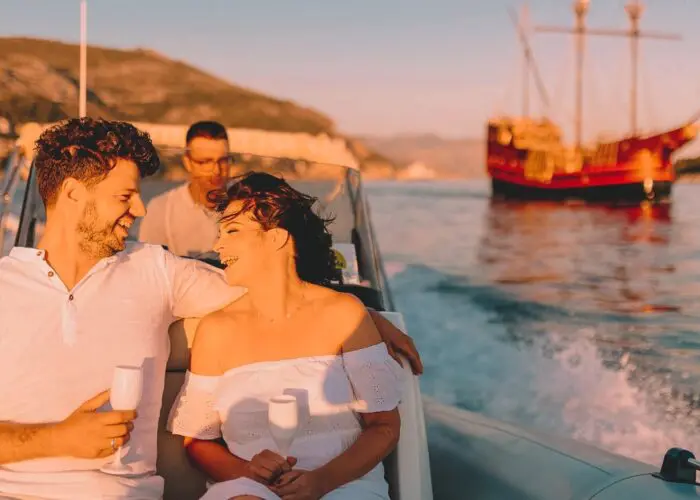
[(59, 347), (173, 219)]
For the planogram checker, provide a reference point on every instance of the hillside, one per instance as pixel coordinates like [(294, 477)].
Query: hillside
[(39, 82), (448, 157)]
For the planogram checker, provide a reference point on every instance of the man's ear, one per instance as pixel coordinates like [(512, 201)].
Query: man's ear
[(187, 163), (73, 190)]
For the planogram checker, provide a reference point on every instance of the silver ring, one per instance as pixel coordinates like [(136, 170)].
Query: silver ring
[(114, 444)]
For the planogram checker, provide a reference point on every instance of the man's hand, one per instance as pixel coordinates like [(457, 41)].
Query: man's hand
[(397, 342), (88, 434), (299, 485), (267, 466)]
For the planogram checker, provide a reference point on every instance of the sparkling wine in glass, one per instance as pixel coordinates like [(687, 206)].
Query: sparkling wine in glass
[(127, 386), (283, 420)]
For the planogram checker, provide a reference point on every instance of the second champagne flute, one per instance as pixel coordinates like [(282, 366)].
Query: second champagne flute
[(127, 386), (283, 420)]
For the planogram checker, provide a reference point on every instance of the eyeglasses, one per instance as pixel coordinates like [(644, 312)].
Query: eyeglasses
[(211, 164)]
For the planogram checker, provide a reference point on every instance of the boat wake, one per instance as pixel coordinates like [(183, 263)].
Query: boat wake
[(531, 365), (576, 390)]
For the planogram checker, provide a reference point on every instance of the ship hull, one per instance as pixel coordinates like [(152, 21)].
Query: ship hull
[(629, 170), (616, 193)]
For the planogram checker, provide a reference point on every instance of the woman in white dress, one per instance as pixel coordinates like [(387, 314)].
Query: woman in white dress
[(289, 334)]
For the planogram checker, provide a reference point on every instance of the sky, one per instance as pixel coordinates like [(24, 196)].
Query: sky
[(387, 67)]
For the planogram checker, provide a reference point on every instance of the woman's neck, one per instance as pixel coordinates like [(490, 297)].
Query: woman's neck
[(278, 293)]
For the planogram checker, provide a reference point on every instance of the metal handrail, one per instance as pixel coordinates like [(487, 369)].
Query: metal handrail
[(26, 231), (14, 164)]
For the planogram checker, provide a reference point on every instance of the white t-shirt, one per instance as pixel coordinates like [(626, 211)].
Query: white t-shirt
[(173, 219), (59, 347)]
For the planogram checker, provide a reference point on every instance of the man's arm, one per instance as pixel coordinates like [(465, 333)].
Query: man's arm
[(196, 288), (397, 342), (84, 434), (20, 442)]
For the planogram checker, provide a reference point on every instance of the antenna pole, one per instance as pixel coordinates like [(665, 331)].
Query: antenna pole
[(82, 103)]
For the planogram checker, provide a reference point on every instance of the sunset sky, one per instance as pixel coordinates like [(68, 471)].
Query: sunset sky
[(398, 66)]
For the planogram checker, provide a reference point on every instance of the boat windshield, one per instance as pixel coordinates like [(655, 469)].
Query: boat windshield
[(337, 188), (13, 185)]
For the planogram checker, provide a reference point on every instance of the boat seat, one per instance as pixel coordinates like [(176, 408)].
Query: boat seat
[(406, 468)]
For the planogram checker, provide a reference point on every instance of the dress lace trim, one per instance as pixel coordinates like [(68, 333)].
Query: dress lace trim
[(194, 413)]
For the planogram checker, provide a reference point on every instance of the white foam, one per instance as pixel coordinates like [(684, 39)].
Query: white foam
[(575, 394)]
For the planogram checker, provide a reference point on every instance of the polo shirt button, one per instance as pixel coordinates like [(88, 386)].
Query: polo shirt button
[(50, 274), (70, 297), (38, 254)]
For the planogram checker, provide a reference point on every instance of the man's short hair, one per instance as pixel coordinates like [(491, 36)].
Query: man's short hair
[(87, 149), (207, 130)]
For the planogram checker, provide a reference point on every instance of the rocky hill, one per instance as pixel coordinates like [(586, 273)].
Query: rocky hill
[(465, 158), (39, 82)]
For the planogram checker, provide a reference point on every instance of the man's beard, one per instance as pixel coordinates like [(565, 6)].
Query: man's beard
[(97, 238)]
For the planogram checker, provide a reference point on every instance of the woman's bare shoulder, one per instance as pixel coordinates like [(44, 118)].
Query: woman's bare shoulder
[(346, 315), (335, 300), (214, 335)]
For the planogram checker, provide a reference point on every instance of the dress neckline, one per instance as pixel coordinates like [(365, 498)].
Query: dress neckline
[(292, 361)]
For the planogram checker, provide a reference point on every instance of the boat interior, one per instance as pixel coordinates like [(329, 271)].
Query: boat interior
[(340, 193), (444, 451)]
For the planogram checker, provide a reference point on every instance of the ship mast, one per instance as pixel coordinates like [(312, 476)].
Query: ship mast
[(634, 11), (523, 23), (529, 65), (580, 31)]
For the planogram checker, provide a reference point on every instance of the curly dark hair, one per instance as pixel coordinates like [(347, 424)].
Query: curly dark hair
[(87, 149), (274, 203)]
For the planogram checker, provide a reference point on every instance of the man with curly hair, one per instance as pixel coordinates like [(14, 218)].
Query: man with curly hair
[(83, 302), (80, 304)]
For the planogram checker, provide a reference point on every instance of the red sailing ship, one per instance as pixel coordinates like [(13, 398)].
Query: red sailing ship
[(527, 158)]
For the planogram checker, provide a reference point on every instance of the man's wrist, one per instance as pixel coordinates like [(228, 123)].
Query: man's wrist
[(53, 442), (37, 441)]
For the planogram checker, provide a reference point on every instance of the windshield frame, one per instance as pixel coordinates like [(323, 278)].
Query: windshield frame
[(11, 182)]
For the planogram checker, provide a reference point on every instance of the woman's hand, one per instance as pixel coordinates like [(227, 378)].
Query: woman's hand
[(299, 485), (267, 466)]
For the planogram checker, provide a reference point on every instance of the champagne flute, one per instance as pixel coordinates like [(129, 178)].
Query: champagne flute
[(127, 386), (283, 420)]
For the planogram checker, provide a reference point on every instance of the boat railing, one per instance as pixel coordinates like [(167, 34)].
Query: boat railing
[(8, 187)]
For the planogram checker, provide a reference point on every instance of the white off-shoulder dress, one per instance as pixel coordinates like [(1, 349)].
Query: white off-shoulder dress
[(234, 406)]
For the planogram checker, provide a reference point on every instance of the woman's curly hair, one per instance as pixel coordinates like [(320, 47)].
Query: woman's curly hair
[(275, 204), (87, 149)]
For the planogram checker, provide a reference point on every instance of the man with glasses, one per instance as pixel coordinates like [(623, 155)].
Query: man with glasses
[(183, 218)]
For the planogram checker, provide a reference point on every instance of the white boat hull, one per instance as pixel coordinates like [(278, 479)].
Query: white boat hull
[(472, 456)]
